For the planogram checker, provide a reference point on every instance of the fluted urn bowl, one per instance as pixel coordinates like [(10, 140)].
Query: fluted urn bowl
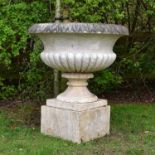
[(78, 47), (77, 50)]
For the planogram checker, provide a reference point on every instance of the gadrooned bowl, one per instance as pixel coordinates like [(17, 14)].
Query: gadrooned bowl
[(78, 47)]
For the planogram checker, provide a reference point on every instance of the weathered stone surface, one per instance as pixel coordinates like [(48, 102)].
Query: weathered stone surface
[(74, 124), (78, 28), (76, 106)]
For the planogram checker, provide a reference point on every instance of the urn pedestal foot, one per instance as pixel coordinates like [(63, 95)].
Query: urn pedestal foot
[(77, 90), (76, 122)]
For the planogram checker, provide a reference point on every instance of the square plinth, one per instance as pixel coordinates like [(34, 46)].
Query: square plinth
[(74, 123)]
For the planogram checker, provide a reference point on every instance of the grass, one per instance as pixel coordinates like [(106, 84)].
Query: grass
[(132, 133)]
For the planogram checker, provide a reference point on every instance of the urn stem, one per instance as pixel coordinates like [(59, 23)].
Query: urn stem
[(77, 90)]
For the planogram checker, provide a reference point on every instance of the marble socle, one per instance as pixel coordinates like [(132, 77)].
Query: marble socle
[(75, 122)]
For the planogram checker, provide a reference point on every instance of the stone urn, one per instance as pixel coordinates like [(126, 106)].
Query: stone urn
[(77, 50)]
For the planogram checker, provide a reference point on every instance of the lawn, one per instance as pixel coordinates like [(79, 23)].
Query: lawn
[(132, 133)]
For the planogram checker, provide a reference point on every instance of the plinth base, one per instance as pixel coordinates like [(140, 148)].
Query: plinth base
[(77, 122)]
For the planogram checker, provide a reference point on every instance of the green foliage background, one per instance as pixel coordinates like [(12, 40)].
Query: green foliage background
[(23, 74)]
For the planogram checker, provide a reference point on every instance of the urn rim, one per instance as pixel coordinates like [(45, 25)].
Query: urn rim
[(87, 28)]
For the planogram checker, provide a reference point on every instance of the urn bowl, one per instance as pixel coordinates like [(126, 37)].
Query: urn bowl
[(78, 47)]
